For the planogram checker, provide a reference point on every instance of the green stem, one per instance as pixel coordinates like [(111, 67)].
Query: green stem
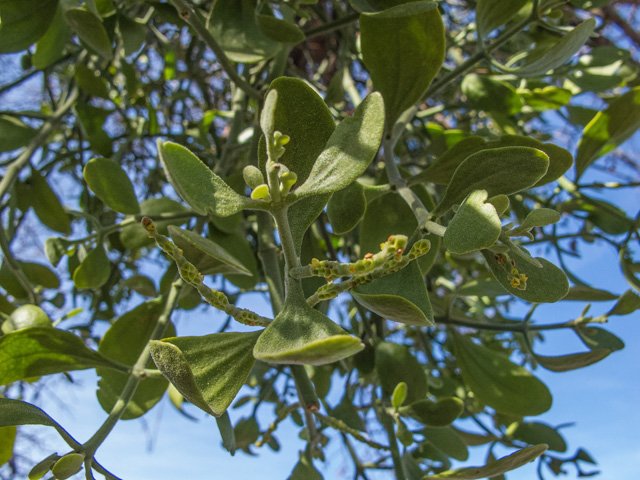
[(47, 129), (387, 423), (189, 15), (506, 327), (291, 259), (268, 253), (344, 428), (137, 372), (15, 268)]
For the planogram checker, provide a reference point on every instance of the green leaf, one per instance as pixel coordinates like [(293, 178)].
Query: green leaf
[(123, 342), (304, 470), (475, 225), (498, 171), (7, 439), (111, 184), (133, 34), (280, 30), (493, 469), (91, 82), (301, 114), (26, 316), (240, 248), (561, 52), (43, 351), (536, 433), (235, 26), (394, 364), (401, 297), (544, 285), (93, 271), (41, 468), (547, 98), (498, 382), (90, 30), (399, 395), (441, 171), (540, 217), (24, 22), (226, 432), (481, 287), (348, 151), (210, 248), (492, 14), (50, 46), (37, 274), (491, 95), (574, 361), (588, 294), (598, 338), (55, 248), (447, 440), (135, 236), (604, 215), (608, 129), (92, 120), (209, 370), (47, 206), (435, 414), (628, 303), (67, 466), (402, 53), (301, 334), (14, 133), (346, 208), (629, 269)]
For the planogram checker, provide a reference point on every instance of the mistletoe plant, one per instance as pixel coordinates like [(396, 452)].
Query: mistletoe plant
[(410, 217)]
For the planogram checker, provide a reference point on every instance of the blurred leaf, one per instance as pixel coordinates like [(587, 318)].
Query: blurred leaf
[(123, 342), (561, 52), (7, 439), (493, 469), (346, 208), (90, 30), (226, 432), (135, 236), (435, 414), (401, 297), (492, 14), (67, 466), (14, 133), (304, 470), (475, 225), (547, 98), (280, 30), (604, 215), (38, 351), (235, 26), (536, 433), (47, 206), (403, 51), (209, 370), (92, 120), (133, 34), (94, 270), (628, 303), (588, 294), (111, 184), (565, 363), (608, 129), (24, 22), (26, 316), (498, 171), (498, 382), (491, 95), (349, 150), (394, 364), (37, 274), (448, 441)]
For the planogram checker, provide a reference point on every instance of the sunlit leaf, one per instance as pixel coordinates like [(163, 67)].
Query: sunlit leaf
[(111, 184), (475, 225)]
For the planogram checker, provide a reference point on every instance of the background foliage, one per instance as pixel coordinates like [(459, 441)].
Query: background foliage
[(404, 239)]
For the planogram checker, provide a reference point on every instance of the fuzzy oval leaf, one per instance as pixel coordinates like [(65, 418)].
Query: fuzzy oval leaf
[(210, 248), (346, 208), (123, 342), (536, 433), (349, 150), (301, 334), (561, 52), (67, 466), (574, 361), (498, 382), (595, 338), (14, 133), (490, 95), (441, 171), (540, 217), (492, 14), (280, 30), (234, 25), (90, 30), (493, 469), (475, 225), (47, 206), (608, 129), (628, 302), (434, 414), (394, 364), (94, 271), (111, 184), (202, 189), (43, 351), (209, 370), (403, 54), (24, 22), (544, 285), (401, 297), (498, 171)]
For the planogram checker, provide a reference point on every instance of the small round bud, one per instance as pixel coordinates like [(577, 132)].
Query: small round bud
[(252, 176), (261, 192)]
